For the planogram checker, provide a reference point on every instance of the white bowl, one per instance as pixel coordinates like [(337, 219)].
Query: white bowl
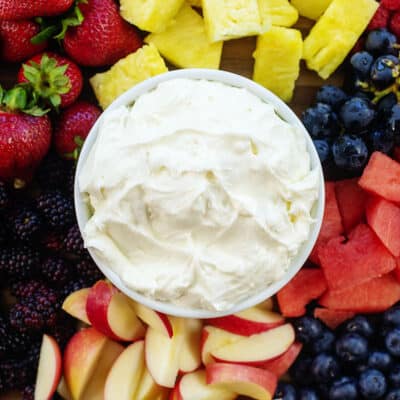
[(284, 112)]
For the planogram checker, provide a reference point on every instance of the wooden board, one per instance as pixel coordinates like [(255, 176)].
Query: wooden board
[(237, 57)]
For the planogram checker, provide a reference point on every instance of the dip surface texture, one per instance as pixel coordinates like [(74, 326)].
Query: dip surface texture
[(200, 193)]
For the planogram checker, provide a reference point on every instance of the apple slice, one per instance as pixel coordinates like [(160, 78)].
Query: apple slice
[(267, 304), (156, 320), (256, 383), (81, 357), (110, 312), (49, 369), (190, 354), (214, 338), (123, 379), (248, 322), (193, 386), (162, 353), (280, 365), (63, 390), (75, 305), (257, 349), (148, 388), (95, 388)]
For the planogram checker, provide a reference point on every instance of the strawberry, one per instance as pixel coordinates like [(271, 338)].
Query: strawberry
[(394, 24), (54, 78), (73, 127), (23, 9), (380, 19), (392, 5), (103, 37), (15, 40)]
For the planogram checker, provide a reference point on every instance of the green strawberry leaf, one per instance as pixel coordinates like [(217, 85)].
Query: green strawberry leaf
[(44, 34), (75, 18)]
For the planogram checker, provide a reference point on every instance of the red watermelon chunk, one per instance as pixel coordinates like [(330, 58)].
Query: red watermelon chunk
[(381, 176), (307, 285), (361, 258), (376, 295), (351, 202), (384, 218), (332, 318), (332, 221), (397, 270)]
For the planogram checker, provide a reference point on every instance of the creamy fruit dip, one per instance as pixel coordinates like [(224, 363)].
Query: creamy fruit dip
[(200, 193)]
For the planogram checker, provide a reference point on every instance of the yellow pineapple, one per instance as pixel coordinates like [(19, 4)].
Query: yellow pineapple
[(144, 63), (277, 12), (185, 44), (195, 3), (277, 60), (335, 34), (230, 19), (150, 15), (312, 9)]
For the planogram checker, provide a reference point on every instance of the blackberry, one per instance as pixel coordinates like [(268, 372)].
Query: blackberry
[(3, 231), (52, 173), (88, 270), (35, 312), (73, 286), (27, 223), (19, 262), (28, 393), (63, 330), (52, 240), (73, 242), (71, 181), (4, 196), (57, 209), (56, 270), (25, 288)]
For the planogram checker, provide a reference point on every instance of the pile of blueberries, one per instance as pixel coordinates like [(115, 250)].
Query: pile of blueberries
[(359, 360), (348, 124)]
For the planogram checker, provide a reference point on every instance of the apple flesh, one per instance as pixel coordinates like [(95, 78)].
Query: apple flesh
[(280, 365), (267, 304), (110, 312), (148, 388), (248, 322), (49, 369), (75, 305), (257, 349), (244, 380), (190, 355), (63, 390)]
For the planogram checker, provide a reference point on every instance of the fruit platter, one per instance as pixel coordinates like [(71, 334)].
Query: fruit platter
[(68, 330)]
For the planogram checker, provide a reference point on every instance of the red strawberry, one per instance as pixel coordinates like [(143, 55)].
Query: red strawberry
[(23, 9), (394, 25), (392, 5), (73, 127), (380, 19), (103, 37), (15, 40), (54, 78)]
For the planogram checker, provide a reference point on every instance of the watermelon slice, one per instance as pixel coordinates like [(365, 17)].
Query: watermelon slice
[(361, 258), (307, 285), (332, 221), (280, 365), (332, 318), (397, 270), (384, 218), (381, 176), (376, 295), (351, 201)]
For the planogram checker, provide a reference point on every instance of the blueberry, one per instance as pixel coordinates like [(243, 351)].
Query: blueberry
[(381, 42), (285, 391), (394, 121), (392, 316), (308, 329), (344, 388), (360, 94), (324, 150), (379, 359), (308, 394), (385, 105), (362, 63), (394, 376), (323, 344), (325, 368), (352, 348), (384, 71), (381, 140), (320, 121), (393, 394), (372, 384), (392, 342), (350, 153), (300, 370), (359, 324), (357, 115), (331, 95)]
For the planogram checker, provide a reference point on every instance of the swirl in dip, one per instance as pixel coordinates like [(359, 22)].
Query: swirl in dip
[(201, 195)]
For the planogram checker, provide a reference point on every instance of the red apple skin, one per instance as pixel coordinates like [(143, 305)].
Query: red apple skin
[(241, 326), (164, 318), (175, 395), (280, 365), (98, 300)]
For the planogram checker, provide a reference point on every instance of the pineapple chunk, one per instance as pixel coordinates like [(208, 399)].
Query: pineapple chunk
[(144, 63), (195, 3), (277, 12), (185, 43), (230, 19), (277, 60), (312, 9), (150, 15), (335, 34)]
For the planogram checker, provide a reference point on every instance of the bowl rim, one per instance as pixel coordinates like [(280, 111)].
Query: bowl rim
[(284, 111)]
